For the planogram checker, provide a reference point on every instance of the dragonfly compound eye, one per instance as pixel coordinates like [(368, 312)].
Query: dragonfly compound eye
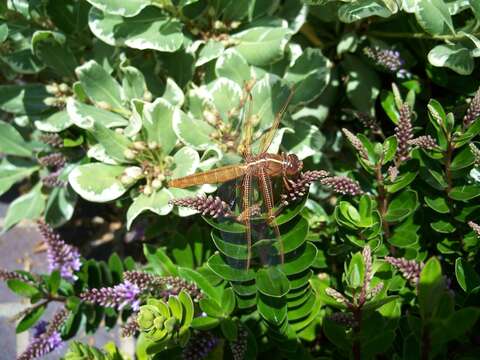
[(294, 164)]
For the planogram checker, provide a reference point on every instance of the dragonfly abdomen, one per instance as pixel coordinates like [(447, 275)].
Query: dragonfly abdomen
[(214, 176)]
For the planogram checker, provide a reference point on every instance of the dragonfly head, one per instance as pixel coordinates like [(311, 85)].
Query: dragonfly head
[(293, 165)]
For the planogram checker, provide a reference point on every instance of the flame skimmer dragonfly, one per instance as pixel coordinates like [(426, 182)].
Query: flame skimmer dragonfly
[(260, 167)]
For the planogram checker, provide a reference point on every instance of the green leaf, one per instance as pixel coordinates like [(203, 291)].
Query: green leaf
[(462, 321), (406, 234), (120, 7), (150, 29), (97, 182), (225, 95), (54, 282), (455, 57), (60, 206), (10, 173), (28, 206), (161, 263), (443, 226), (30, 319), (361, 9), (173, 93), (11, 142), (52, 49), (465, 192), (212, 308), (218, 265), (100, 86), (23, 61), (158, 203), (439, 204), (56, 122), (467, 277), (193, 132), (363, 84), (272, 282), (22, 289), (201, 281), (309, 74), (85, 116), (158, 119), (23, 99), (186, 161), (228, 301), (133, 82), (430, 287), (205, 323), (262, 45), (233, 66), (114, 143), (211, 50), (402, 206), (3, 32), (229, 329), (433, 17), (116, 267)]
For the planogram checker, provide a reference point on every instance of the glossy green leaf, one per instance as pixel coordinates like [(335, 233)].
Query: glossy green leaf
[(11, 142), (21, 288), (361, 9), (28, 206), (149, 29), (51, 47), (100, 86), (433, 17), (232, 65), (12, 172), (158, 203), (85, 116), (97, 182), (30, 319), (272, 282), (430, 287), (465, 192), (402, 206), (56, 122), (467, 277), (218, 265), (262, 45), (120, 7), (455, 57)]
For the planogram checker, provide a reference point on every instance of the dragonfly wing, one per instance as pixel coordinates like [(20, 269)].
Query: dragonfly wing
[(269, 136)]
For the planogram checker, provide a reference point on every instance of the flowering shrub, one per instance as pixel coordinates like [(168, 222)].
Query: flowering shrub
[(104, 102)]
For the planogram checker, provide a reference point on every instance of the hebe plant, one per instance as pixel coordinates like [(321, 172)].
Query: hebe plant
[(104, 101)]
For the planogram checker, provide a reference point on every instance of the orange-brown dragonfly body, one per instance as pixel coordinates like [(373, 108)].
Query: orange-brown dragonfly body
[(262, 168), (271, 165)]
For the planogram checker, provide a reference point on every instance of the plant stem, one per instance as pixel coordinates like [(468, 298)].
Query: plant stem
[(382, 198), (356, 347), (425, 346), (418, 35), (308, 31), (448, 163)]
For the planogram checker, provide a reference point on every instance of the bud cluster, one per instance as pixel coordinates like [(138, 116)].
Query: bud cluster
[(61, 92), (239, 346), (356, 143), (298, 188), (476, 153), (60, 255), (206, 205), (404, 133), (154, 168), (52, 180), (118, 297), (410, 269), (47, 338), (199, 346), (388, 59), (473, 111), (343, 318), (425, 142), (130, 327), (475, 227), (52, 139), (12, 275), (55, 160), (342, 185)]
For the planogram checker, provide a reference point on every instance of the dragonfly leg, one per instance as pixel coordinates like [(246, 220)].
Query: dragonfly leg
[(247, 189), (266, 189)]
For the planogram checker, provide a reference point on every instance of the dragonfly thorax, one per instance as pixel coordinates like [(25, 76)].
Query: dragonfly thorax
[(274, 164)]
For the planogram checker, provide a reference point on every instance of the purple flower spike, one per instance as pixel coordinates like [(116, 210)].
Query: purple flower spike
[(119, 296), (60, 255)]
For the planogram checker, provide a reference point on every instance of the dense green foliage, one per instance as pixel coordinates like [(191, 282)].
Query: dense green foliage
[(104, 101)]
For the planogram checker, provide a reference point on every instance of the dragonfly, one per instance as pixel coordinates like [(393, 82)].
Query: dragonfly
[(261, 167)]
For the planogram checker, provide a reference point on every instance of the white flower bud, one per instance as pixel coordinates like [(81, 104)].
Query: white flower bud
[(161, 177), (129, 154), (147, 96), (139, 145), (209, 116), (156, 183), (134, 172), (52, 88), (147, 190), (50, 101), (152, 145), (63, 87)]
